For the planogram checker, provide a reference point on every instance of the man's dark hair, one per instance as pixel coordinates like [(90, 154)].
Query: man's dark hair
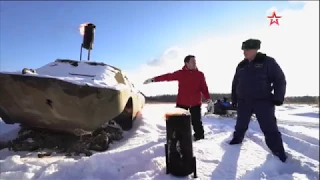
[(187, 58)]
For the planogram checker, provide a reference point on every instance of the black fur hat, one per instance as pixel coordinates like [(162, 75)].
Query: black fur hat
[(251, 44)]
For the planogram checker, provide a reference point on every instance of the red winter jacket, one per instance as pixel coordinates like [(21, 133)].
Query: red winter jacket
[(192, 84)]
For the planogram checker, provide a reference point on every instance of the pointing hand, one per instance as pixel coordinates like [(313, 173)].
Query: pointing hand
[(148, 81)]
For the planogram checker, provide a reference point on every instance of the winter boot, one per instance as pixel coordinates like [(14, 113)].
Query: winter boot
[(281, 155), (197, 138), (235, 141), (237, 138)]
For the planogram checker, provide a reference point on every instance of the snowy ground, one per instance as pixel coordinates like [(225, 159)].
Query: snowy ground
[(141, 154)]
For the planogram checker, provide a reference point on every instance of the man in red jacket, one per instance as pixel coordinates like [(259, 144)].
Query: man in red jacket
[(192, 84)]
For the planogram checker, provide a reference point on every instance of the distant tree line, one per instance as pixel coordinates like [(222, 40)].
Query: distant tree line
[(168, 98)]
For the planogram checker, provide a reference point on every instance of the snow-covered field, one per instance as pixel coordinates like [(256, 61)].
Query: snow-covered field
[(141, 154)]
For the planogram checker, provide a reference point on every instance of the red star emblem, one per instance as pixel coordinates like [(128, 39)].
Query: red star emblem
[(272, 21)]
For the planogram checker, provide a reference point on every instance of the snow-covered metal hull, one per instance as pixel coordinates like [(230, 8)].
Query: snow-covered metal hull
[(48, 102)]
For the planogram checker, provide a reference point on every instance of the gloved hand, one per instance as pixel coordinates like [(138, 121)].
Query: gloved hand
[(148, 81), (209, 101), (277, 103)]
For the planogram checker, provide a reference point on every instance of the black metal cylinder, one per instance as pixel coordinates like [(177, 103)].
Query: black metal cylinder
[(88, 36), (179, 150)]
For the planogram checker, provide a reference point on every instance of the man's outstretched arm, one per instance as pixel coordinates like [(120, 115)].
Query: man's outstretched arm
[(175, 76)]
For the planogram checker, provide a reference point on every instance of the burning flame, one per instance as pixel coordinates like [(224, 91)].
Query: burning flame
[(81, 28)]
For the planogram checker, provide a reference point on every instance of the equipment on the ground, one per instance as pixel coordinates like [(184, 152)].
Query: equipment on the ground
[(222, 109), (180, 161)]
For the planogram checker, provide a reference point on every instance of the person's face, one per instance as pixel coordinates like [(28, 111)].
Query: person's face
[(191, 64), (249, 53)]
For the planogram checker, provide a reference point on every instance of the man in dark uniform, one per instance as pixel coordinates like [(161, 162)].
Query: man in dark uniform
[(255, 79)]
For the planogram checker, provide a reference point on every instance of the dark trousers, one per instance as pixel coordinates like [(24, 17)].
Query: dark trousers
[(195, 112), (265, 113)]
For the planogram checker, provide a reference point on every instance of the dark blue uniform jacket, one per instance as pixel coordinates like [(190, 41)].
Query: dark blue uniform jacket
[(257, 79)]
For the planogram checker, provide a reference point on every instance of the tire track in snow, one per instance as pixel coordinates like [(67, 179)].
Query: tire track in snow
[(306, 138), (299, 145), (298, 123), (273, 167)]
